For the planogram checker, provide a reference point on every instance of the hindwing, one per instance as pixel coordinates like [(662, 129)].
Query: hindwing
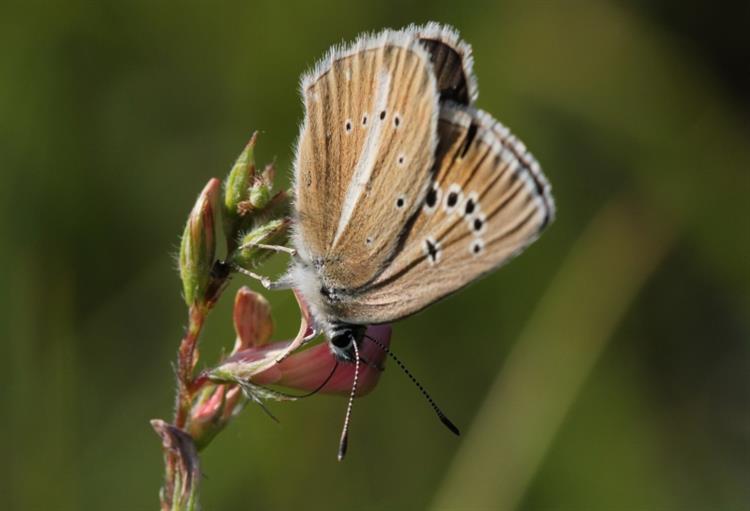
[(488, 201)]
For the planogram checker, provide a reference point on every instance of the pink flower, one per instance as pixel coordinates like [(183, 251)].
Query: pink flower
[(252, 319), (307, 369), (263, 363), (255, 362)]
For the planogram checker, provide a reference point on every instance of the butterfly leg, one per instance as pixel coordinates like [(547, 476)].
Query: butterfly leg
[(306, 332), (267, 283), (276, 248)]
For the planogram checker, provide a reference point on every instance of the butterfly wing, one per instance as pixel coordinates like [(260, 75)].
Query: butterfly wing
[(451, 61), (488, 202), (364, 155)]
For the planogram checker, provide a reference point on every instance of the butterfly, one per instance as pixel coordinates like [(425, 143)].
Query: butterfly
[(404, 191)]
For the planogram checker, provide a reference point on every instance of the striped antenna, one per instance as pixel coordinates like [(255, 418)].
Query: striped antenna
[(443, 418), (343, 443)]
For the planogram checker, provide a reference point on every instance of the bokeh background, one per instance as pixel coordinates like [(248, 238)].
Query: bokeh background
[(606, 368)]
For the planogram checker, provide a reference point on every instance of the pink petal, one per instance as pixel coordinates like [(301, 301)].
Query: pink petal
[(308, 369), (252, 319)]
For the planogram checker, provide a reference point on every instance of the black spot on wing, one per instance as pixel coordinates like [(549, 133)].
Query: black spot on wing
[(452, 199), (431, 198), (471, 134), (478, 224), (432, 250)]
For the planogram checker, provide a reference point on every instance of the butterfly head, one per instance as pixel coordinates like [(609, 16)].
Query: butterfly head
[(341, 340)]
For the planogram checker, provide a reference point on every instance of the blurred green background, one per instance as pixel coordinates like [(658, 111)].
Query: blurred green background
[(606, 368)]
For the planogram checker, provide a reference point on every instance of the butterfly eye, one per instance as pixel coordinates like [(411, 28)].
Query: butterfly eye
[(343, 341), (400, 202)]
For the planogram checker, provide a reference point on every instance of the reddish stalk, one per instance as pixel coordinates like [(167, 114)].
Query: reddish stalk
[(186, 389)]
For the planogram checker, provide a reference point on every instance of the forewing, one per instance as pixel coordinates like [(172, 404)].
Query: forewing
[(489, 201), (365, 154)]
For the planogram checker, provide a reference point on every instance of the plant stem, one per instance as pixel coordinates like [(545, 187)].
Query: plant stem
[(186, 360)]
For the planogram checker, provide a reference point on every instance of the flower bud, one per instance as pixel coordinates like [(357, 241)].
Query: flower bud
[(198, 245), (212, 411), (237, 185), (181, 491), (252, 319), (217, 404), (255, 363), (249, 255), (261, 188)]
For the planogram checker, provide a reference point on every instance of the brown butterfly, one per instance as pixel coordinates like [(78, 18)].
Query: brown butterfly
[(404, 191)]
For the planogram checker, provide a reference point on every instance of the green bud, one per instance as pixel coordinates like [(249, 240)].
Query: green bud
[(237, 186), (260, 194), (262, 187), (248, 255), (198, 245)]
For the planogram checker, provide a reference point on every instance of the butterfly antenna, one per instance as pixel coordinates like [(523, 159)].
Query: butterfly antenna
[(443, 418), (345, 431)]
